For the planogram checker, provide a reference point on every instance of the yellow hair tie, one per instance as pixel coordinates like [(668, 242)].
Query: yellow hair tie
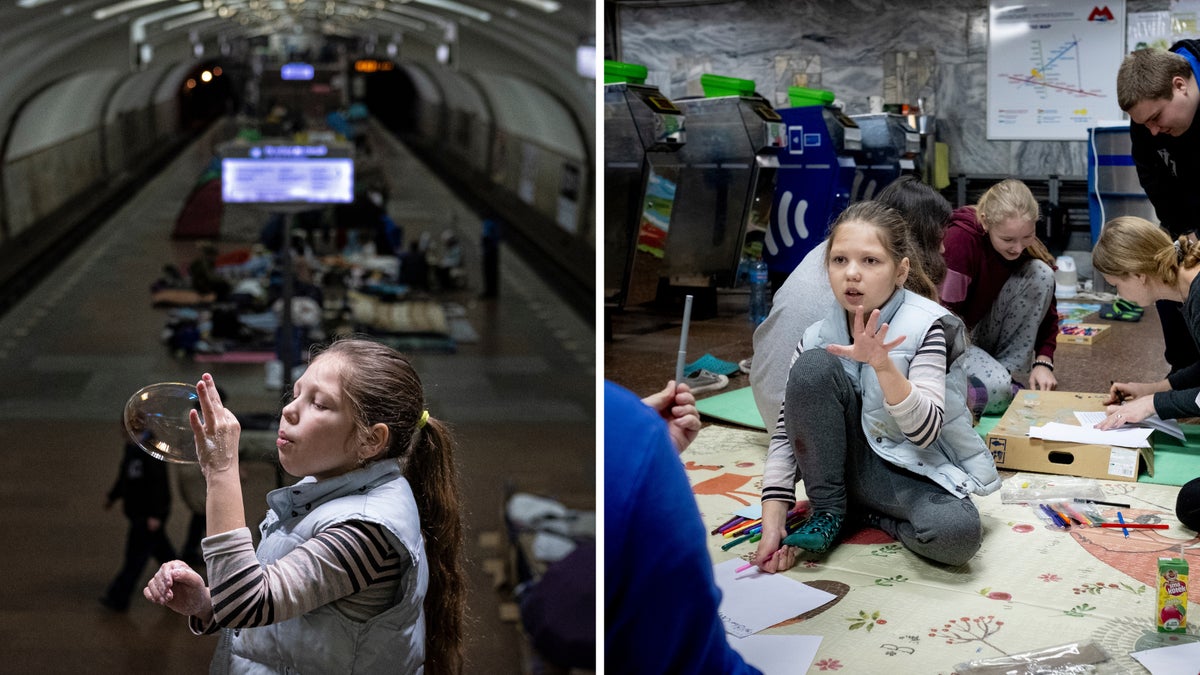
[(424, 418)]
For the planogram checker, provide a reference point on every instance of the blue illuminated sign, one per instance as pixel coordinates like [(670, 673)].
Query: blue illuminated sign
[(297, 71)]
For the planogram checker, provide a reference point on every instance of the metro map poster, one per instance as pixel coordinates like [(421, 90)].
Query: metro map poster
[(1052, 68)]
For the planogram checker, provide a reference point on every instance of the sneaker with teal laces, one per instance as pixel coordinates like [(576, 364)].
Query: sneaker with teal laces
[(818, 533)]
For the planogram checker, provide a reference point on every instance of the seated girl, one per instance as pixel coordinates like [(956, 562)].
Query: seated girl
[(874, 417)]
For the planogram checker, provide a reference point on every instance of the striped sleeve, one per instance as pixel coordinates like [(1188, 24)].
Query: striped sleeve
[(780, 472), (340, 561), (921, 414)]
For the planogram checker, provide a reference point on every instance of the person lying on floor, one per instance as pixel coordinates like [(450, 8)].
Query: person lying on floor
[(875, 418), (1145, 265)]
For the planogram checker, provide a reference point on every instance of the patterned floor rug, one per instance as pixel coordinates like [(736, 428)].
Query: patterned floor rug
[(1029, 587)]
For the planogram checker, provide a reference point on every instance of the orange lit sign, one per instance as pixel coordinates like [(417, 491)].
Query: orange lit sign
[(372, 66)]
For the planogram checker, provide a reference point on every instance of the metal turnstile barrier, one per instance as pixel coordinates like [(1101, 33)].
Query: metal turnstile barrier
[(643, 131), (890, 148)]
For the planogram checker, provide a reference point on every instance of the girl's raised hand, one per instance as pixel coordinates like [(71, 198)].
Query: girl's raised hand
[(218, 434), (870, 344)]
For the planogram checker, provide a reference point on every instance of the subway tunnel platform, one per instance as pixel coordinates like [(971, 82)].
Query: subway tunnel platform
[(520, 395)]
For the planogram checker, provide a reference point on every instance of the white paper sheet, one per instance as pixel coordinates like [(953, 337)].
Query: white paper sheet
[(778, 654), (1125, 437), (1091, 419), (753, 600), (1175, 660)]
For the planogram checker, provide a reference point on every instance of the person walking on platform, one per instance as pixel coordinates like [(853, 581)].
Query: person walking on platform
[(490, 251), (1157, 88), (144, 490)]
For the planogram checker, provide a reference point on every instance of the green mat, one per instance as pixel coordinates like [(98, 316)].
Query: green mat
[(1175, 462), (735, 406)]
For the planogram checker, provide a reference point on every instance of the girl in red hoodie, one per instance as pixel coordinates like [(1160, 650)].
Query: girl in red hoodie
[(1000, 281)]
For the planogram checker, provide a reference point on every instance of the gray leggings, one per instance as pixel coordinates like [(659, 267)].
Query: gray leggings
[(1003, 341), (823, 419)]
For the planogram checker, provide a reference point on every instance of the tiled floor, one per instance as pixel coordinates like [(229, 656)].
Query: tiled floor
[(521, 400)]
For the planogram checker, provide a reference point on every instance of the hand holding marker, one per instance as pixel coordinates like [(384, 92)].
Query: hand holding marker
[(681, 359)]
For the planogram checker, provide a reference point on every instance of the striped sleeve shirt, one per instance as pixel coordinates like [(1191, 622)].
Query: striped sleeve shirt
[(351, 563), (919, 415)]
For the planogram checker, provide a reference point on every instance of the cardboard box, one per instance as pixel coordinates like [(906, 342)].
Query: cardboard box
[(1013, 449), (1081, 333)]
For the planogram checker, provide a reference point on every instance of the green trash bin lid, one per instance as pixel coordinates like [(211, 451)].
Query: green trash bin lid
[(719, 85), (803, 96), (616, 72)]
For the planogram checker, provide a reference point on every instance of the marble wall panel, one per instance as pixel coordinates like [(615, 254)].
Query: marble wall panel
[(855, 48)]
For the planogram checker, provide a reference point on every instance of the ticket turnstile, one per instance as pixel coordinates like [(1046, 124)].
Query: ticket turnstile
[(726, 181), (643, 131), (891, 148), (813, 186)]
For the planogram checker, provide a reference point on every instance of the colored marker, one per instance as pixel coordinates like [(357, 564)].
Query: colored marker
[(1065, 518), (1054, 517), (748, 565), (1124, 529), (681, 359), (1137, 526), (1097, 501), (738, 520), (740, 529), (732, 521), (735, 542), (1076, 515)]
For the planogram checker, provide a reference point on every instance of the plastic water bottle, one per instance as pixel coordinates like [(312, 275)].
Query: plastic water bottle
[(759, 287)]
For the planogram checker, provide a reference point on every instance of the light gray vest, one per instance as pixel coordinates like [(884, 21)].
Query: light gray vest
[(958, 459), (323, 640)]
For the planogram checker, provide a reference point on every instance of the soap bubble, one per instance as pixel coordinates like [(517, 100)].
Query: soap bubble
[(156, 418)]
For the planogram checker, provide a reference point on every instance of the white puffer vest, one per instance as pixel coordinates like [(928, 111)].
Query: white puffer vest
[(323, 640), (958, 459)]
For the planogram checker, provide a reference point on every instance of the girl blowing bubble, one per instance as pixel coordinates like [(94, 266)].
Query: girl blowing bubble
[(360, 568), (875, 417)]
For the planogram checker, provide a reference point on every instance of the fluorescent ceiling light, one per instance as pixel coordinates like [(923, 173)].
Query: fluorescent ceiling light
[(585, 61), (105, 12), (546, 6), (198, 16), (465, 10), (137, 29), (32, 3)]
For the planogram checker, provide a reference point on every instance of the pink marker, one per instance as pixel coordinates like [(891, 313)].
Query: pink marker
[(748, 565)]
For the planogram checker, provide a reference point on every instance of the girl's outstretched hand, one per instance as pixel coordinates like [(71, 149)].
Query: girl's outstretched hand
[(178, 587), (870, 344)]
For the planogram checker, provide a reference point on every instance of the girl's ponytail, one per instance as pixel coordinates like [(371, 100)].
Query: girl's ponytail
[(431, 471)]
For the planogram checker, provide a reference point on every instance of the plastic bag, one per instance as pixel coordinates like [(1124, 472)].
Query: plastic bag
[(1068, 659)]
